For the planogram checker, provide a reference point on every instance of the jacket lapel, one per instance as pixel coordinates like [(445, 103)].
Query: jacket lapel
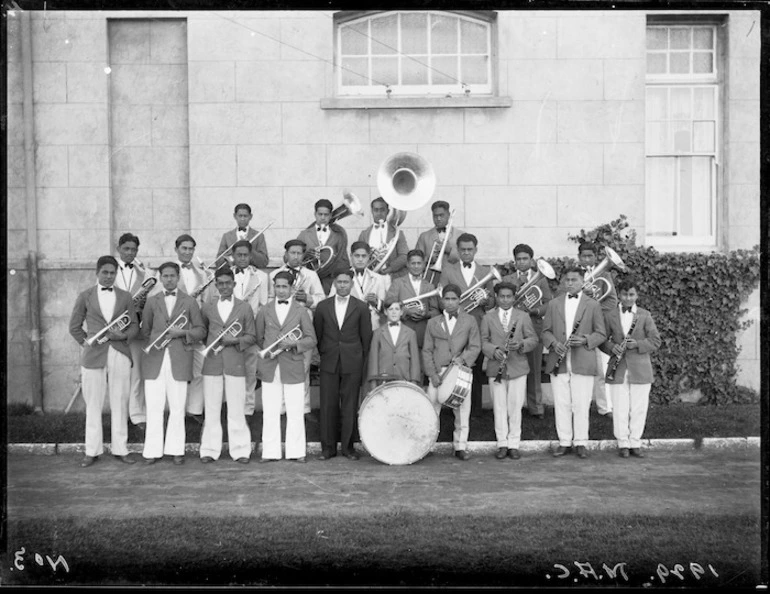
[(94, 303)]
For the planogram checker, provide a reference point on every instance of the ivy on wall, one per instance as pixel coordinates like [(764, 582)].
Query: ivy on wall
[(695, 300)]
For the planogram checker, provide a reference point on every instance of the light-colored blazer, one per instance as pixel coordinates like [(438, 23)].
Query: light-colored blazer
[(591, 326), (372, 283), (231, 359), (338, 240), (440, 347), (402, 289), (396, 263), (537, 313), (494, 336), (259, 257), (269, 329), (636, 362), (256, 290), (87, 310), (427, 238), (400, 360), (155, 320), (200, 274), (308, 281), (453, 274)]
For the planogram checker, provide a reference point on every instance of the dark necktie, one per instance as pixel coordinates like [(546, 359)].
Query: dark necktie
[(170, 293), (283, 302), (392, 324), (572, 296), (467, 265), (107, 289), (626, 309)]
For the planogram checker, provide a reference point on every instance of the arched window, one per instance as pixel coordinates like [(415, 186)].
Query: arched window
[(419, 53)]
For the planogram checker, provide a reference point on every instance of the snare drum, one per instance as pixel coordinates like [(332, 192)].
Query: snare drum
[(455, 386), (397, 423)]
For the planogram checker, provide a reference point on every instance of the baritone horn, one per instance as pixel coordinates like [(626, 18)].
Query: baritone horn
[(476, 295), (593, 281), (216, 346), (415, 304), (272, 351), (313, 259), (529, 295)]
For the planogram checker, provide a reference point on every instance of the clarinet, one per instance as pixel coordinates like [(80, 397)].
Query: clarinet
[(561, 357), (506, 350), (614, 362)]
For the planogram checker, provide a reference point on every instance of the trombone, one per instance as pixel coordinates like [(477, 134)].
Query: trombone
[(529, 294), (161, 342), (593, 280), (215, 347), (120, 323), (415, 304), (228, 250), (436, 255), (475, 295), (272, 351)]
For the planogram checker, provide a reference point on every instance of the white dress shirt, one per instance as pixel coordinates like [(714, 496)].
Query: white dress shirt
[(282, 309), (106, 302), (450, 322), (125, 278), (626, 318), (323, 235), (378, 235), (188, 277), (394, 330), (170, 301), (469, 273), (341, 308), (241, 282), (570, 309), (225, 308), (242, 234), (505, 318), (415, 283)]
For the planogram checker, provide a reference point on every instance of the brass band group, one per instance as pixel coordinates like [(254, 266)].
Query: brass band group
[(397, 334)]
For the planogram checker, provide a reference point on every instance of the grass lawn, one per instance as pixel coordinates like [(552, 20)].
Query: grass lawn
[(663, 421), (394, 549)]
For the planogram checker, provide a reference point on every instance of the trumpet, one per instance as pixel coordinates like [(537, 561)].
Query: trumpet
[(142, 291), (475, 295), (228, 250), (313, 259), (162, 340), (272, 351), (529, 294), (415, 303), (120, 323), (436, 255), (216, 347), (592, 282)]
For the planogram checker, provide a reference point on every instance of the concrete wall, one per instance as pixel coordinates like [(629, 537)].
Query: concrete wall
[(240, 120)]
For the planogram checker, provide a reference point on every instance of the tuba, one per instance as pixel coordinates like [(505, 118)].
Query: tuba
[(406, 181), (529, 294), (475, 295), (415, 303), (272, 351), (593, 281)]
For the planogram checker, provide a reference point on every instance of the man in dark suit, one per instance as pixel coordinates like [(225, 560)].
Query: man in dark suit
[(523, 259), (242, 215), (381, 233), (344, 331), (465, 274), (324, 233), (572, 329), (105, 366)]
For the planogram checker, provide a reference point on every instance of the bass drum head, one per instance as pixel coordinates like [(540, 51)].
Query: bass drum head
[(397, 423)]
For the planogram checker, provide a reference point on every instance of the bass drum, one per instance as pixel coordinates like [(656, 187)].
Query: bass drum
[(397, 423)]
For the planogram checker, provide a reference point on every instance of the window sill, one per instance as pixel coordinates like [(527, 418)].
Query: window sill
[(413, 102)]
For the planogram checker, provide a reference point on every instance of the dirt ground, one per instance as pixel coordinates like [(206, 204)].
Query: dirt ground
[(665, 482)]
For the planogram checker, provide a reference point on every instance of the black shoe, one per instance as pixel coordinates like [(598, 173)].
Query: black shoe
[(325, 456), (623, 452), (514, 454), (351, 455), (501, 453), (142, 427), (561, 451), (637, 452), (266, 460), (243, 460), (462, 454), (88, 461), (581, 452), (126, 459), (207, 459)]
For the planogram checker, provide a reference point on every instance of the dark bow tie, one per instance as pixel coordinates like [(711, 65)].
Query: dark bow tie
[(392, 323), (452, 315), (239, 270), (188, 265), (522, 275), (324, 228), (170, 293), (283, 302), (359, 272), (575, 296), (416, 278), (242, 229), (107, 289), (129, 265), (626, 309), (467, 264), (226, 298), (440, 229), (379, 225)]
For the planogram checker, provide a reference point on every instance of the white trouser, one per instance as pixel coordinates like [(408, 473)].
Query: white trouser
[(115, 378), (195, 389), (250, 400), (156, 393), (462, 416), (508, 397), (233, 389), (601, 391), (629, 403), (274, 396), (137, 411), (571, 403)]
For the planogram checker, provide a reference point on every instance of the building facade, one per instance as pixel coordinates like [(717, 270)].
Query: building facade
[(537, 124)]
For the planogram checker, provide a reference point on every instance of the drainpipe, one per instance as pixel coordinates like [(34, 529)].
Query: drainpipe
[(36, 386)]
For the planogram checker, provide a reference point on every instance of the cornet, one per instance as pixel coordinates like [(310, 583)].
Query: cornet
[(436, 255), (475, 295), (119, 324), (272, 351), (216, 347), (411, 304), (162, 340), (529, 295), (592, 281)]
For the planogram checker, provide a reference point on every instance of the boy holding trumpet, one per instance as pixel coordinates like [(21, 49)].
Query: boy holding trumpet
[(230, 326)]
